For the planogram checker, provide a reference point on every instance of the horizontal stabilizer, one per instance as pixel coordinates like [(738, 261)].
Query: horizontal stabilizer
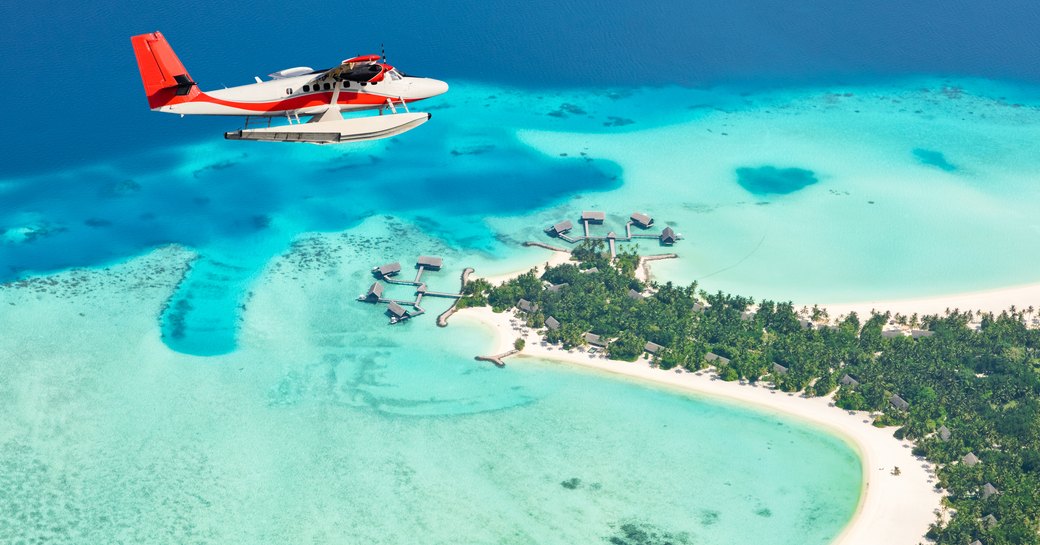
[(336, 132)]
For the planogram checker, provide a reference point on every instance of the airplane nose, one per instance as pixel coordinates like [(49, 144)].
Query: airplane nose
[(426, 87), (438, 87)]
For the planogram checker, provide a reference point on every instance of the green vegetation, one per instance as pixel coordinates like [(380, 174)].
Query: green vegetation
[(982, 385), (519, 344)]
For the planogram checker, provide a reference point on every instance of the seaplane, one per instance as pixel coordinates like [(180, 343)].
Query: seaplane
[(364, 82)]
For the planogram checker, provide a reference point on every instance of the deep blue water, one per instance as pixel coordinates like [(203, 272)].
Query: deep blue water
[(137, 184), (73, 64)]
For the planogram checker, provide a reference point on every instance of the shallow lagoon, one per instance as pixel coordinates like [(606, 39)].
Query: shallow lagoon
[(328, 426)]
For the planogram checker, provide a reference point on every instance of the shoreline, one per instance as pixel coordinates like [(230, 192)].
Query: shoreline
[(891, 508), (990, 300)]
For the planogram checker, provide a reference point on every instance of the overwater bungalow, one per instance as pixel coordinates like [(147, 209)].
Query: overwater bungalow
[(642, 220), (429, 262), (552, 323), (396, 312), (668, 236), (560, 228), (389, 269), (593, 216), (375, 293)]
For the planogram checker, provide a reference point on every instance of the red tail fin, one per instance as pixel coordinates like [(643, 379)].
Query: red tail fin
[(166, 81)]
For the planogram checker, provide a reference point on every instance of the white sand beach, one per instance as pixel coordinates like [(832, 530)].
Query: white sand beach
[(996, 300), (893, 509), (554, 259)]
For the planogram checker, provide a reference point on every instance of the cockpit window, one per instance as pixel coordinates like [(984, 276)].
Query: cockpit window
[(394, 75)]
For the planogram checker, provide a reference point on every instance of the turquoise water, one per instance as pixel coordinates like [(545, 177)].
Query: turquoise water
[(238, 393), (818, 195), (326, 425)]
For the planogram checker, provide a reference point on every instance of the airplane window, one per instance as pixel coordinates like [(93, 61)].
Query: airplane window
[(306, 88), (327, 86), (288, 91), (363, 84)]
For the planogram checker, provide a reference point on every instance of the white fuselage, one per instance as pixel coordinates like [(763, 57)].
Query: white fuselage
[(302, 95)]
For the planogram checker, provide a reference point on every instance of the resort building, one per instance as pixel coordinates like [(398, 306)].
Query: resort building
[(779, 369), (848, 380), (560, 228), (552, 323), (595, 340), (714, 358), (919, 333), (375, 293), (653, 348), (389, 269), (898, 402), (642, 220), (554, 288), (668, 236), (396, 311), (429, 262), (593, 216), (988, 490), (989, 520), (747, 315), (944, 433), (527, 306), (891, 333), (633, 294), (970, 459)]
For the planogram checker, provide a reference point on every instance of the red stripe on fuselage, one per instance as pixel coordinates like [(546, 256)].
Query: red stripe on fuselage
[(291, 103)]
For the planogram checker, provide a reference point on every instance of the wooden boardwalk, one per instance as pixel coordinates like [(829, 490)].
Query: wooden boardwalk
[(421, 291), (442, 320), (499, 359)]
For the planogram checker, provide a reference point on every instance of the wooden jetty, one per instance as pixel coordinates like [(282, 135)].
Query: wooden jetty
[(396, 308), (546, 246), (499, 359), (442, 320), (560, 230)]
